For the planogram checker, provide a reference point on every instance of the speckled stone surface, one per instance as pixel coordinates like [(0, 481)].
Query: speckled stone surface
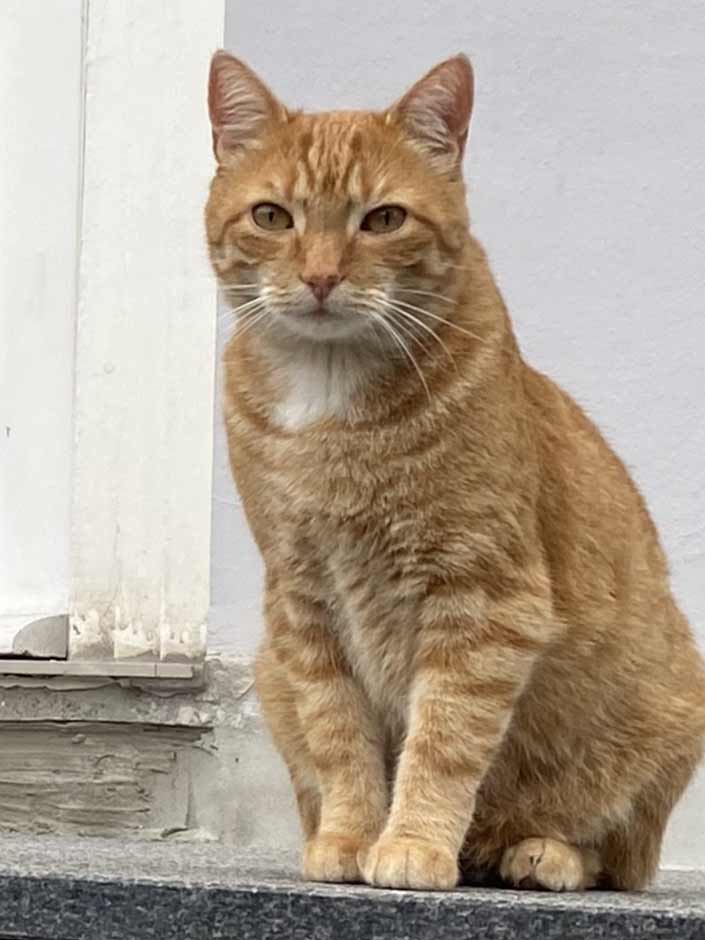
[(94, 889)]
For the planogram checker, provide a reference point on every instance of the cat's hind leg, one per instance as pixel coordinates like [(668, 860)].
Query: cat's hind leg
[(550, 865), (631, 852)]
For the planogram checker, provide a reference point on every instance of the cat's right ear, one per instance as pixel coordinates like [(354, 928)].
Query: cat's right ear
[(241, 106)]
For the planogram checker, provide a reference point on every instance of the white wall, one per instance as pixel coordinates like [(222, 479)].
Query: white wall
[(586, 170), (40, 113)]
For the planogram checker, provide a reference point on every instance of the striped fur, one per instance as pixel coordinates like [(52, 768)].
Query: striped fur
[(473, 661)]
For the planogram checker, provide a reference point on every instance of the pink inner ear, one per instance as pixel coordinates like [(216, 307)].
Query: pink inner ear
[(225, 72), (437, 109), (239, 103)]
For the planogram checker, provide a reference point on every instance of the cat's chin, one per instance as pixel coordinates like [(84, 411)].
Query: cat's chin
[(324, 327)]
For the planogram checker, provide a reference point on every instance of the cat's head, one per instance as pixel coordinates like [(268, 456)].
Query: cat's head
[(323, 225)]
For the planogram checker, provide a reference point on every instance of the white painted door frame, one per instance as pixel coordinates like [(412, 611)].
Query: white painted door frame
[(40, 119), (143, 371)]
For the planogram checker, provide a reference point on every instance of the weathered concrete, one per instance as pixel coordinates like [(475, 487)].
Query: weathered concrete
[(96, 778), (193, 755), (86, 890)]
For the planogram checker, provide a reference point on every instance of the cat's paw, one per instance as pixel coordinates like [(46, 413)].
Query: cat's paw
[(408, 863), (332, 857), (549, 865)]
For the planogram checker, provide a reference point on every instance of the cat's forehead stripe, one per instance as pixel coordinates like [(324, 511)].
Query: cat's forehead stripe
[(330, 159)]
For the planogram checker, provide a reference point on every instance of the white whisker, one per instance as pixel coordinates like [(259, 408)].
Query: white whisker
[(384, 322), (426, 293), (249, 321), (439, 319), (392, 305), (408, 331), (245, 306)]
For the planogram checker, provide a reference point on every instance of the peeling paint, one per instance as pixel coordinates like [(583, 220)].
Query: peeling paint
[(187, 643), (132, 637), (90, 636), (115, 632)]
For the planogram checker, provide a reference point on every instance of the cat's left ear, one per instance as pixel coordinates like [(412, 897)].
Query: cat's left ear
[(241, 106), (436, 111)]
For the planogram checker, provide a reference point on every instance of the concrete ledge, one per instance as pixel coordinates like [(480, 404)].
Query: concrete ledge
[(114, 668), (94, 889)]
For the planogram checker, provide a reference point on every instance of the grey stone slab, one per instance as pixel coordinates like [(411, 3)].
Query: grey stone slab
[(95, 889), (112, 668), (174, 670), (82, 667)]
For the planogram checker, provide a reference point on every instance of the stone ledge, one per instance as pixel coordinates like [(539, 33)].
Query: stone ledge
[(94, 889), (111, 668)]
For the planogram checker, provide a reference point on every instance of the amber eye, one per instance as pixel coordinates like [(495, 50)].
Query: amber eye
[(273, 218), (383, 220)]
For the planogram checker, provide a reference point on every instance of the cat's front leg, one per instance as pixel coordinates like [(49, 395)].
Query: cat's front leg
[(343, 738), (347, 753), (473, 661)]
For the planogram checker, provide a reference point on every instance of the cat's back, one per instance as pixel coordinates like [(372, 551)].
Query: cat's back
[(602, 546)]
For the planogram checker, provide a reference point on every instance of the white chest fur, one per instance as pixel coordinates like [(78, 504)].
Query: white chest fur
[(317, 382)]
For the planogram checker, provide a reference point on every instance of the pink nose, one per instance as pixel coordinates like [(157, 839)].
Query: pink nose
[(322, 285)]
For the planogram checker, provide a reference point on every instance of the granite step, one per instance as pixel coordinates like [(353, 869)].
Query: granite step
[(100, 889)]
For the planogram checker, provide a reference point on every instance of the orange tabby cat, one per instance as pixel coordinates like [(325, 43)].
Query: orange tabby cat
[(473, 660)]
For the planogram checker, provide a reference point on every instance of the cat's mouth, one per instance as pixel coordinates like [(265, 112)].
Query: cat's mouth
[(319, 312), (322, 310), (322, 322)]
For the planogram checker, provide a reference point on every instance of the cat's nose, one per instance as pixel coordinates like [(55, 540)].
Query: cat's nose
[(322, 284)]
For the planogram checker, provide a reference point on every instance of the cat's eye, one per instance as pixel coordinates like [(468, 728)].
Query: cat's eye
[(384, 219), (272, 217)]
